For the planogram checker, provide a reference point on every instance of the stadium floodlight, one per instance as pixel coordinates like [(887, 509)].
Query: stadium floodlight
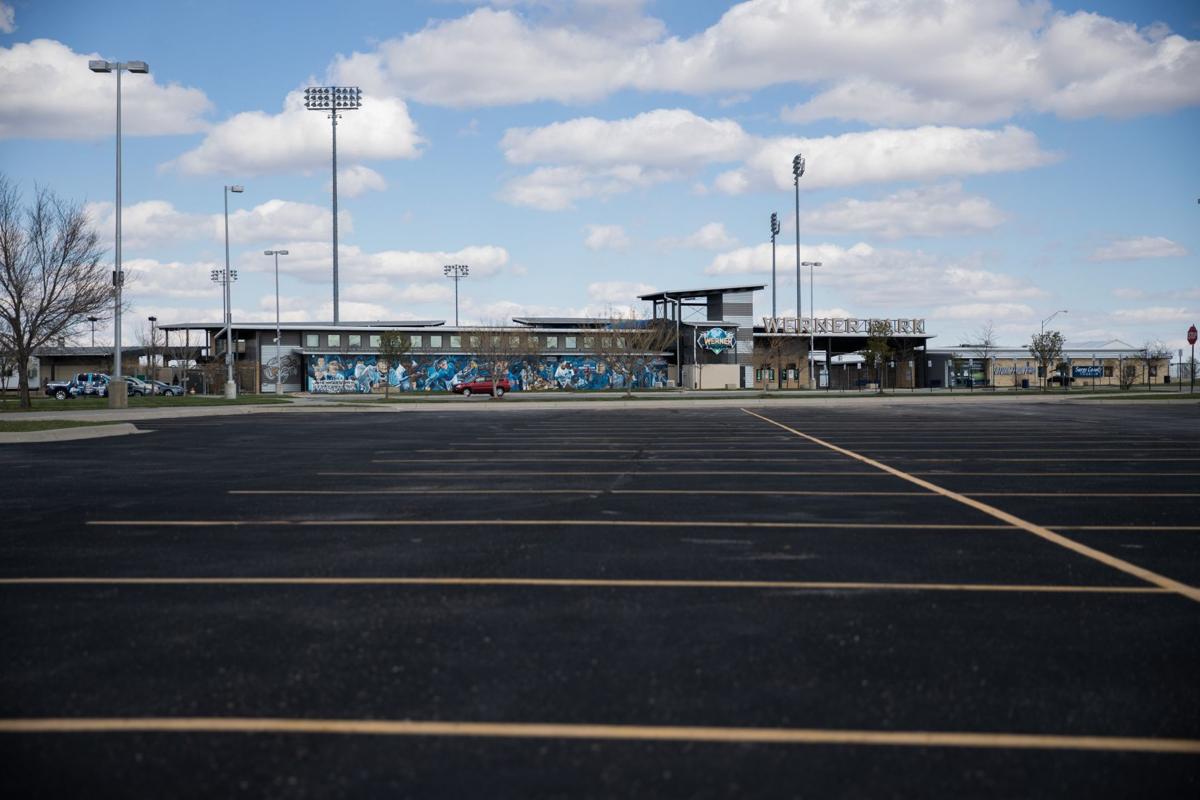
[(811, 319), (117, 398), (333, 99), (457, 272), (798, 164), (774, 233)]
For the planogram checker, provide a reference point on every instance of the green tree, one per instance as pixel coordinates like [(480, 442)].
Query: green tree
[(1047, 349), (878, 348)]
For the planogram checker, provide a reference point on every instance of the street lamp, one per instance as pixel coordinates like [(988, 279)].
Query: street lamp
[(774, 233), (118, 398), (1046, 377), (230, 384), (457, 272), (812, 323), (278, 336), (150, 355), (333, 99), (93, 320)]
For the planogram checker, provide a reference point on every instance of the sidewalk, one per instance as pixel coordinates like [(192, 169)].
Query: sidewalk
[(303, 404)]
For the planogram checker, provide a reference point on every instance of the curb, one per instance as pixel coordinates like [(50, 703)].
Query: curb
[(71, 434)]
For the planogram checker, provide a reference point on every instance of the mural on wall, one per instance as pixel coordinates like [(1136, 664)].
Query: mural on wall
[(341, 373), (288, 371)]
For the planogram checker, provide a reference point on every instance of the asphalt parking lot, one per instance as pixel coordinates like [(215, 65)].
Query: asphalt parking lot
[(894, 601)]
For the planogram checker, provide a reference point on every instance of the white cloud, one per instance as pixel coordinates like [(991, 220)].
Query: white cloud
[(588, 157), (49, 93), (296, 139), (1126, 293), (1155, 314), (173, 279), (889, 279), (356, 180), (978, 62), (1138, 248), (8, 18), (154, 222), (557, 188), (927, 211), (311, 261), (606, 237), (617, 291), (711, 236), (670, 138), (885, 155)]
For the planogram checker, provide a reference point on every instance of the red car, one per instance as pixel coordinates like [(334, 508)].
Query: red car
[(483, 386)]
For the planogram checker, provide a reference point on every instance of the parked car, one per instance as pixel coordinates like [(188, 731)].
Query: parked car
[(94, 384), (163, 388), (483, 386), (60, 390), (134, 387)]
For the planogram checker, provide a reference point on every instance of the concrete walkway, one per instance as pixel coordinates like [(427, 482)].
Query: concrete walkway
[(311, 405)]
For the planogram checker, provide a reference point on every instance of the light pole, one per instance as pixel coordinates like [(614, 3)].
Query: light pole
[(278, 336), (797, 174), (333, 99), (93, 320), (812, 323), (1046, 377), (774, 233), (223, 277), (150, 355), (119, 397), (230, 383), (456, 272)]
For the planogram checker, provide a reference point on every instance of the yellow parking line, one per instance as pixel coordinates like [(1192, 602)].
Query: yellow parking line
[(1190, 592), (602, 583), (552, 730), (598, 490), (640, 473), (533, 523)]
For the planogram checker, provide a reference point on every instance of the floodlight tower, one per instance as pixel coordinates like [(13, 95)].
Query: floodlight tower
[(333, 99), (457, 272), (774, 233), (797, 174)]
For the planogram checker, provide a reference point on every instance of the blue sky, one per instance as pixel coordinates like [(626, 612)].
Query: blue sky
[(967, 162)]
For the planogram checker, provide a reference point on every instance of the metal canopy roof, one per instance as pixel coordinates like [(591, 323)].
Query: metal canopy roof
[(320, 325), (682, 294)]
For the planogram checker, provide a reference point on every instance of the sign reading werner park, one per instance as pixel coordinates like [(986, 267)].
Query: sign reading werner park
[(841, 325), (717, 340)]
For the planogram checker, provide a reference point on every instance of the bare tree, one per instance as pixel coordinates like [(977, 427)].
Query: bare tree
[(878, 348), (985, 350), (1046, 348), (1151, 354), (629, 344), (8, 363), (393, 347), (498, 347), (775, 347), (50, 274)]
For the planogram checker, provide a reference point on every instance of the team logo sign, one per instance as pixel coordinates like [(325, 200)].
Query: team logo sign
[(718, 340)]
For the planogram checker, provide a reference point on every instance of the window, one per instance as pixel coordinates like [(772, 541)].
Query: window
[(375, 341), (620, 342), (570, 345), (455, 342), (758, 375), (354, 340), (771, 374), (1154, 371), (589, 342), (551, 342), (1108, 371), (475, 340), (514, 342), (312, 341), (435, 340), (414, 341), (335, 340)]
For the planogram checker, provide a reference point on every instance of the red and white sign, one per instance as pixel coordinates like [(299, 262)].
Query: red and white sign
[(1192, 335)]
